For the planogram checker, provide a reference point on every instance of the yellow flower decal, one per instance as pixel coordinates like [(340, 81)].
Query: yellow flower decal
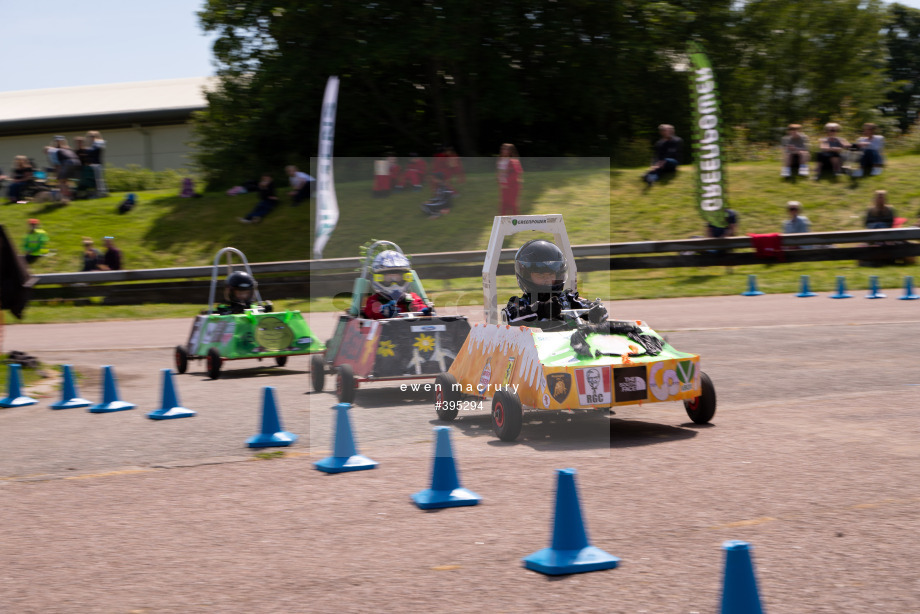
[(385, 348), (424, 343)]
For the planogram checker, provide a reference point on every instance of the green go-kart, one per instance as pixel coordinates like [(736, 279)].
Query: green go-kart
[(257, 332)]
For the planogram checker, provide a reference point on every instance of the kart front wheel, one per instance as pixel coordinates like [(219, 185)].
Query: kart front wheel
[(181, 359), (317, 372), (702, 408), (345, 384), (214, 362), (507, 415), (281, 360), (446, 397)]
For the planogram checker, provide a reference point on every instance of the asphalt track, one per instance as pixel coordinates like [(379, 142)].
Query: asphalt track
[(812, 457)]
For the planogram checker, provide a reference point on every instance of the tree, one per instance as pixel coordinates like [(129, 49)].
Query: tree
[(902, 38)]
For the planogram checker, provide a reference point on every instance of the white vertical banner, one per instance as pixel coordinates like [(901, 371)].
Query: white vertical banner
[(327, 206)]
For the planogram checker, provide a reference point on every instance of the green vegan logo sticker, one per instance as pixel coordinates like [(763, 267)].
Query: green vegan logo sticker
[(685, 371)]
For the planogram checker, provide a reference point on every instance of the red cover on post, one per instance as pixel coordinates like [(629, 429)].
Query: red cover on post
[(768, 245)]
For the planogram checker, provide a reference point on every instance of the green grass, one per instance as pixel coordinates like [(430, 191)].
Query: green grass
[(599, 206)]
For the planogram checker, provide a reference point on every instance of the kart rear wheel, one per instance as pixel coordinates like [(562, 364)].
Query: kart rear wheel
[(446, 397), (281, 360), (214, 363), (318, 372), (181, 359), (702, 408), (345, 384), (507, 415)]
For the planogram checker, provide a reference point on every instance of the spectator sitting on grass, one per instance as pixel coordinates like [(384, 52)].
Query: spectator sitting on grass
[(667, 152), (440, 203), (301, 185), (92, 259), (795, 152), (831, 153), (35, 245), (112, 256), (267, 201), (22, 176), (871, 145), (880, 214), (796, 223)]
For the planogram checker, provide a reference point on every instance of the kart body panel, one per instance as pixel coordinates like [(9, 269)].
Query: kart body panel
[(252, 334), (396, 348), (543, 369)]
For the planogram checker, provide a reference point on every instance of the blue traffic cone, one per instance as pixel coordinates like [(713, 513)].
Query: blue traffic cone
[(569, 551), (271, 435), (445, 488), (170, 407), (345, 455), (909, 294), (739, 589), (752, 287), (110, 400), (69, 398), (806, 290), (841, 288), (14, 397), (874, 291)]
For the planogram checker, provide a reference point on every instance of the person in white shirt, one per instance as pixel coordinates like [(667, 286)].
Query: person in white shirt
[(871, 145), (301, 185)]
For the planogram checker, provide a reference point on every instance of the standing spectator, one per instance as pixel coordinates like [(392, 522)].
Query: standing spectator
[(267, 201), (880, 214), (21, 176), (871, 145), (87, 177), (96, 146), (301, 185), (35, 244), (667, 152), (112, 258), (796, 223), (795, 151), (92, 259), (510, 178), (67, 168), (831, 151)]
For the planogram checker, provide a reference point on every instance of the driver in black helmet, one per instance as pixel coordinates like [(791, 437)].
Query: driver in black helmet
[(541, 270), (239, 290)]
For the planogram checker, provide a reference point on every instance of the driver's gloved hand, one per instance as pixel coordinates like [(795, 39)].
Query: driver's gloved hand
[(597, 314), (389, 310), (549, 310)]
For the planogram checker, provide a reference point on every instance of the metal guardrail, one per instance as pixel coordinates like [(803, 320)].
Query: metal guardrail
[(334, 274)]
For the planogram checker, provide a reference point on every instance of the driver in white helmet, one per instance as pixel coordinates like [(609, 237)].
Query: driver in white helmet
[(541, 269), (390, 281)]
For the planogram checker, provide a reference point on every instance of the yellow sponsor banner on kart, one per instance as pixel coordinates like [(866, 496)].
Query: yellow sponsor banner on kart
[(674, 380), (500, 357)]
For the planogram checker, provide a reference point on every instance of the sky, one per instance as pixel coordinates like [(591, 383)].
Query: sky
[(65, 43), (99, 42)]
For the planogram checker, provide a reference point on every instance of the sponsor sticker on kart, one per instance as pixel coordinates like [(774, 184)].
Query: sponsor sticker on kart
[(428, 328), (305, 341), (559, 385), (593, 385), (686, 371), (630, 384)]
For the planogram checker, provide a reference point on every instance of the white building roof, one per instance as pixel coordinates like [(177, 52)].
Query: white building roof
[(115, 98)]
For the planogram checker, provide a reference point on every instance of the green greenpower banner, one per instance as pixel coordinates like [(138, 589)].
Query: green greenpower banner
[(707, 152)]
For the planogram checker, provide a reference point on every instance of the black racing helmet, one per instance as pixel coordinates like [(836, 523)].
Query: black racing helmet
[(240, 287), (540, 258)]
